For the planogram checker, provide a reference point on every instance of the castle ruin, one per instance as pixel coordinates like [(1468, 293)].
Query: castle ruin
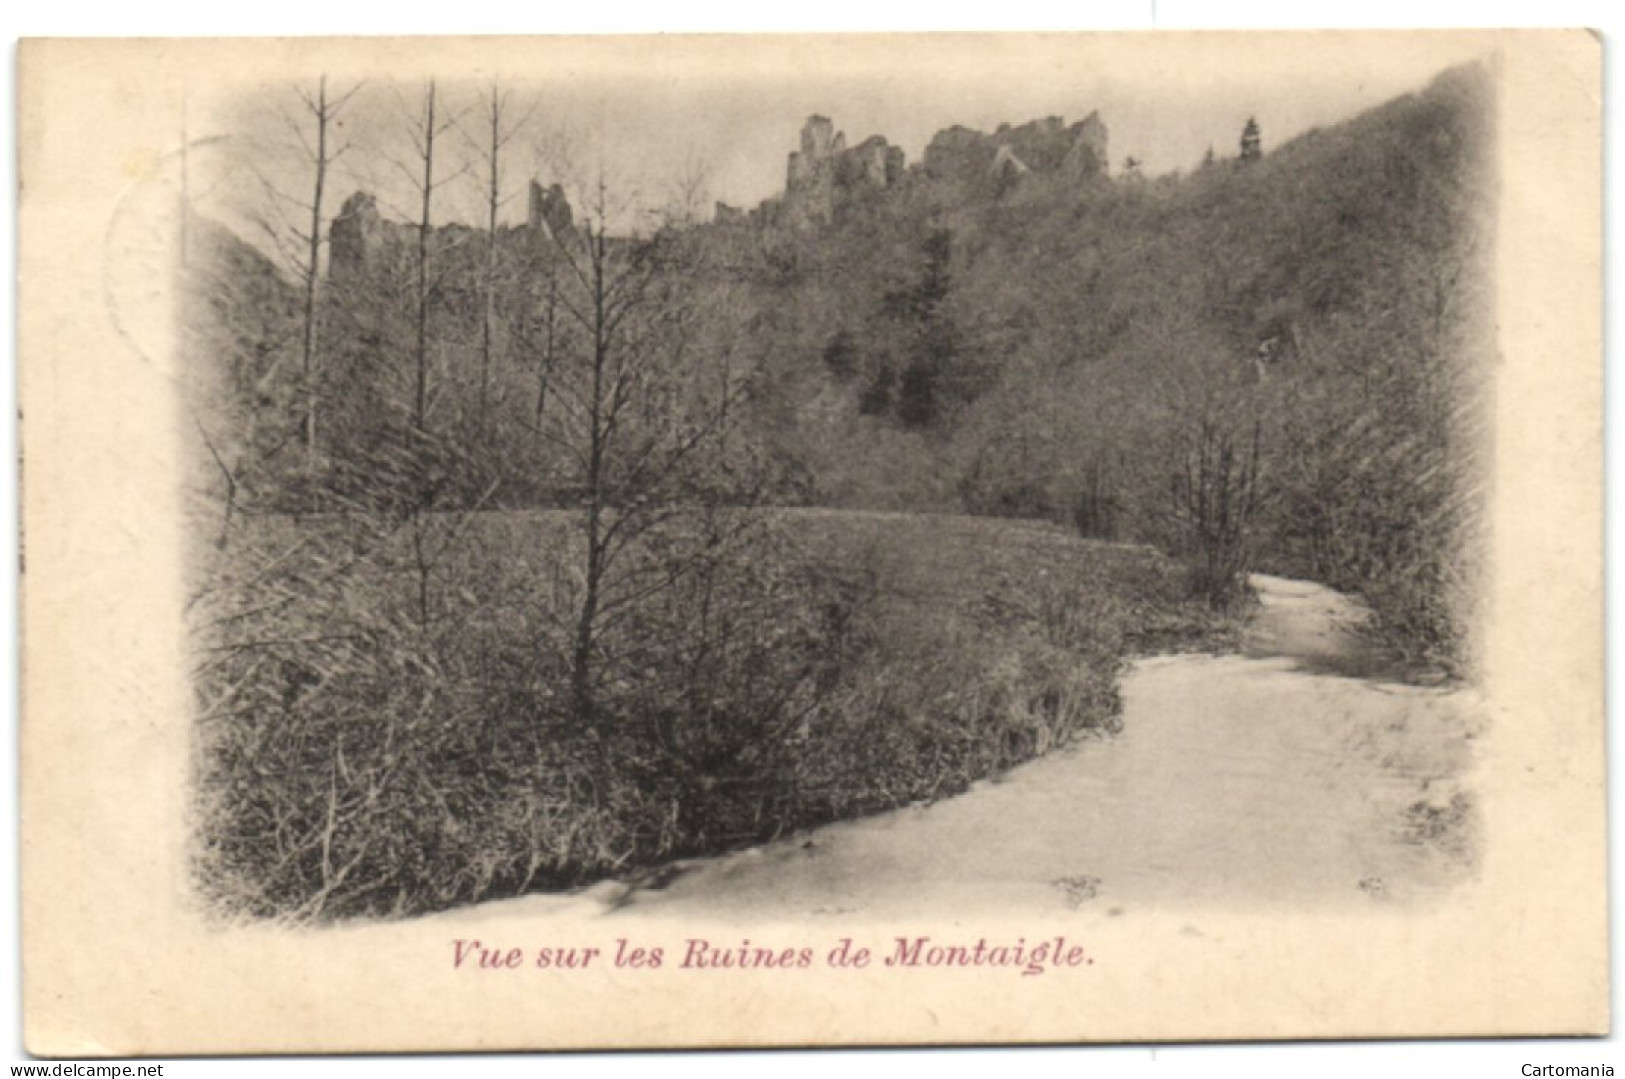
[(364, 245), (824, 177), (1041, 147)]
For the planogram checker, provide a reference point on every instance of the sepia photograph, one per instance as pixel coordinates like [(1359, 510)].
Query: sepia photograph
[(556, 529), (811, 540)]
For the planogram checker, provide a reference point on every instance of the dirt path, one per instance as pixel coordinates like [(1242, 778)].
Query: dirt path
[(1256, 778)]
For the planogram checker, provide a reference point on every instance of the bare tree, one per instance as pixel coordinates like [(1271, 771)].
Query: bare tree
[(497, 131), (691, 190), (550, 340), (424, 130), (641, 413), (322, 112), (294, 225)]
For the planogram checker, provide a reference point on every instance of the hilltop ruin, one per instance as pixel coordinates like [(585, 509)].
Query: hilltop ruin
[(824, 177), (365, 244)]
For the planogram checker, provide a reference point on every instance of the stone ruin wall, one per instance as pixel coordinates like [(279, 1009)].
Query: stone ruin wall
[(1041, 147), (364, 246), (824, 176)]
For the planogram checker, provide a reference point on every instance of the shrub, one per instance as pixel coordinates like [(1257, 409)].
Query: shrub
[(360, 759), (1215, 495)]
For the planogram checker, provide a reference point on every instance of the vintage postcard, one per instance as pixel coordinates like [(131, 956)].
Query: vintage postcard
[(810, 540)]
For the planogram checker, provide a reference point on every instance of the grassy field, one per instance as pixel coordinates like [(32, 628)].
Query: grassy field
[(386, 726)]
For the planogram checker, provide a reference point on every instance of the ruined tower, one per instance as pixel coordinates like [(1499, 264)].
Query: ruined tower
[(355, 239), (822, 176), (549, 214)]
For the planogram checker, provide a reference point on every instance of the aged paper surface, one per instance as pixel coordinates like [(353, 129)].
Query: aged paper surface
[(120, 954)]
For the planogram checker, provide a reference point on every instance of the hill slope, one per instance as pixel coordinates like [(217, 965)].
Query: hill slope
[(1313, 324), (1053, 351)]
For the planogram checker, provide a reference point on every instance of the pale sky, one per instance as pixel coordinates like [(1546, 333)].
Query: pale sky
[(736, 111)]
